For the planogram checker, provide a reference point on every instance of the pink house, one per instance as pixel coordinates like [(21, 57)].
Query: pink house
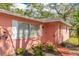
[(18, 31)]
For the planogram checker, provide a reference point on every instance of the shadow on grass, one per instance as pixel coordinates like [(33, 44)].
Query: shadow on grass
[(70, 46)]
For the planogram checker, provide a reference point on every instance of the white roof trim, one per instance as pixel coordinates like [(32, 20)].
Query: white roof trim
[(57, 20)]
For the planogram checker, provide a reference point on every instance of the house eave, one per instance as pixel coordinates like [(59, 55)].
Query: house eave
[(18, 15), (58, 20)]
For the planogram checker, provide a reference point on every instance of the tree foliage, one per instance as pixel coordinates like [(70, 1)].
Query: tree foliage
[(6, 6), (37, 11), (41, 11), (62, 10)]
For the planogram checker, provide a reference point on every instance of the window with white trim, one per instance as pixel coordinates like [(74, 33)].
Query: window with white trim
[(24, 30)]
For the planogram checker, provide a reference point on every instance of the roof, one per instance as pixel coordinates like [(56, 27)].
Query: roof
[(57, 20), (43, 21), (17, 15)]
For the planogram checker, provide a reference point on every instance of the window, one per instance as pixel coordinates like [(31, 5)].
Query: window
[(34, 31), (24, 30), (14, 29)]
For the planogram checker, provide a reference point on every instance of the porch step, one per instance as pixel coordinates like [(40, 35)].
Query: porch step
[(66, 52)]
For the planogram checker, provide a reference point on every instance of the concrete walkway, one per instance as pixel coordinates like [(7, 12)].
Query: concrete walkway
[(67, 52)]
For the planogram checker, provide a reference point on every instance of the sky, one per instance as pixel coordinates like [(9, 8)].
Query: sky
[(23, 5), (20, 5), (39, 1)]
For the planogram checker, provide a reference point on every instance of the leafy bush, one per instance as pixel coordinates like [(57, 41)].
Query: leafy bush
[(39, 50), (51, 48), (21, 51)]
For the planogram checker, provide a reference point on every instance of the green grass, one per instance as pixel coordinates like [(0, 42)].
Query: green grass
[(73, 40)]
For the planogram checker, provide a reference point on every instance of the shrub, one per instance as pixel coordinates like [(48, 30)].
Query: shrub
[(21, 51), (39, 50), (51, 48)]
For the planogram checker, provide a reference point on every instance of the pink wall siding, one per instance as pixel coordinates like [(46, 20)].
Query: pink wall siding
[(55, 32), (5, 21), (64, 31), (50, 32), (25, 43)]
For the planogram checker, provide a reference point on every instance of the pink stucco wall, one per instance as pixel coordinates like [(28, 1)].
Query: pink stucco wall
[(50, 33), (55, 32), (63, 32)]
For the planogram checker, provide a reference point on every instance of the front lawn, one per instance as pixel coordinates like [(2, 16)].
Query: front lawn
[(72, 44), (73, 41)]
